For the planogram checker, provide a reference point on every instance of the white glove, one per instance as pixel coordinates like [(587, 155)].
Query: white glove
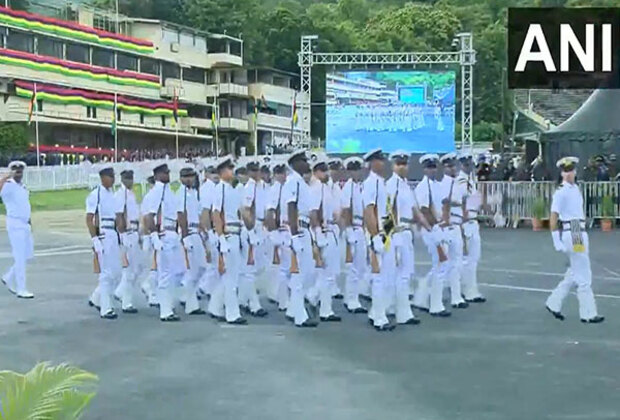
[(557, 241), (349, 234), (213, 240), (146, 243), (158, 245), (97, 244), (126, 240), (253, 238), (437, 235), (377, 243), (297, 244), (187, 243), (320, 238), (223, 244), (274, 237)]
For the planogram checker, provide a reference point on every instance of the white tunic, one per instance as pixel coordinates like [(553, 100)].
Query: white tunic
[(568, 202), (429, 194), (351, 198), (207, 192), (474, 201), (454, 192), (401, 197), (296, 191), (128, 203), (320, 197), (255, 193), (374, 193), (103, 202), (334, 199), (16, 199), (163, 205), (187, 201), (227, 200)]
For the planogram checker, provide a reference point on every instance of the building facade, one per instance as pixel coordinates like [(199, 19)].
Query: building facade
[(129, 83)]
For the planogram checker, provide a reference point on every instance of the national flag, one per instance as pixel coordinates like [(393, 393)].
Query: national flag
[(175, 107), (295, 116), (114, 112), (213, 118), (32, 106)]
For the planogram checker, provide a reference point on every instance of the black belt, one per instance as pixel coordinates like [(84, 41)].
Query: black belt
[(304, 225), (108, 219), (260, 219), (406, 220), (194, 225), (566, 224), (170, 228)]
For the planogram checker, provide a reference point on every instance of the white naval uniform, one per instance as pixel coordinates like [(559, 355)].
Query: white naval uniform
[(327, 241), (224, 299), (170, 259), (402, 267), (351, 198), (187, 200), (453, 191), (130, 246), (297, 191), (472, 242), (334, 200), (428, 194), (568, 203), (149, 286), (252, 194), (16, 199), (375, 193), (280, 239), (104, 205), (210, 277)]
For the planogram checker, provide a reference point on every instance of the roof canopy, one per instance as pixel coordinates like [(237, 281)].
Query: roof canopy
[(599, 114)]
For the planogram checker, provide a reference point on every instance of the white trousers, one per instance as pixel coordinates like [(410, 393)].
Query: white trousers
[(125, 289), (282, 272), (430, 288), (248, 295), (210, 276), (325, 278), (469, 272), (110, 264), (224, 299), (170, 270), (454, 265), (22, 249), (197, 266), (380, 287), (401, 276), (296, 308), (579, 275), (355, 270)]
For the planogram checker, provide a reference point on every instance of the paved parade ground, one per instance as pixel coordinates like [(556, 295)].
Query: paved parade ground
[(506, 359)]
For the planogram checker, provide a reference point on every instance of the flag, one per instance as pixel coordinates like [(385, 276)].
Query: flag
[(255, 110), (32, 106), (114, 112), (295, 116), (175, 107), (213, 118)]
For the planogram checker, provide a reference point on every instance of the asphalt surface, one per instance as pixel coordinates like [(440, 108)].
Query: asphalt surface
[(505, 359)]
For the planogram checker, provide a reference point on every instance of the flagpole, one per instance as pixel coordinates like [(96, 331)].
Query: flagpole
[(36, 125), (217, 138), (115, 128), (176, 133), (176, 121)]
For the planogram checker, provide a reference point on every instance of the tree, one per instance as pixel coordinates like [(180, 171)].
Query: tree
[(13, 138)]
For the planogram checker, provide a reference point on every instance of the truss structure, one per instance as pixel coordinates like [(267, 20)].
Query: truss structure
[(464, 55)]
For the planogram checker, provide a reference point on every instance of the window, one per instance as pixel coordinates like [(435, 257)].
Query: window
[(284, 111), (141, 118), (170, 71), (103, 58), (149, 66), (200, 43), (119, 114), (251, 76), (170, 35), (88, 113), (194, 74), (49, 47), (126, 62), (186, 39), (39, 105), (199, 111), (91, 112), (20, 41), (77, 53), (163, 120)]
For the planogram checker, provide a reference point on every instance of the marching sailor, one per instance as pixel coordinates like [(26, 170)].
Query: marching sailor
[(16, 199), (471, 231), (279, 235), (296, 196), (401, 268), (188, 214), (224, 303), (103, 214), (335, 173), (149, 286), (352, 216), (206, 194), (376, 220), (428, 194), (452, 204), (130, 243), (162, 223), (253, 215), (324, 241), (571, 239), (264, 253)]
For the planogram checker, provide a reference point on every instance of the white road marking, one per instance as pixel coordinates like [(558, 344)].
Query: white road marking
[(537, 273), (611, 272), (535, 289)]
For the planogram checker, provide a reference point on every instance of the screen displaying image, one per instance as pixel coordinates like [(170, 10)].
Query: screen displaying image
[(409, 110)]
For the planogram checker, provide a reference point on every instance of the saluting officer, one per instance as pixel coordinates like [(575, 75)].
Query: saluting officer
[(130, 243), (572, 239), (471, 231), (224, 303), (401, 268), (162, 222), (16, 199), (452, 202), (253, 215), (352, 215), (374, 196), (428, 194), (188, 214), (207, 192), (296, 196), (103, 214)]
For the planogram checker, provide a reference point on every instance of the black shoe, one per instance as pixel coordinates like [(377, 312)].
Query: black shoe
[(461, 305), (478, 299), (282, 309), (360, 310), (442, 314), (130, 310), (556, 315), (182, 303), (411, 321), (239, 321), (171, 318), (109, 315), (154, 305), (92, 305), (419, 308), (410, 297), (272, 301), (218, 318), (261, 313), (308, 323), (331, 318), (371, 322), (290, 318), (245, 309), (338, 296), (385, 327), (197, 312), (596, 320), (366, 298)]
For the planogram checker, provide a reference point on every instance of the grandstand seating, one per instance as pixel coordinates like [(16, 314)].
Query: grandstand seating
[(555, 106)]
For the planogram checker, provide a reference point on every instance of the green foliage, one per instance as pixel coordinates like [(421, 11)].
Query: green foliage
[(46, 393), (539, 208), (13, 138), (607, 207)]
